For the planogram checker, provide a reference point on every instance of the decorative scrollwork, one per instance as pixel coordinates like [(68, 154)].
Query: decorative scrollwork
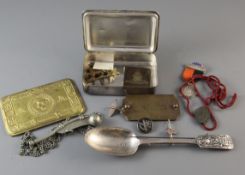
[(215, 141)]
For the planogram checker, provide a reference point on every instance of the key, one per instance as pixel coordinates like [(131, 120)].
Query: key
[(32, 146)]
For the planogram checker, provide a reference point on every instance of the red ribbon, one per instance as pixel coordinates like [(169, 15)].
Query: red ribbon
[(218, 94)]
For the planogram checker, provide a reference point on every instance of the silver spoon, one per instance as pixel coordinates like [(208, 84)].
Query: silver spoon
[(122, 142)]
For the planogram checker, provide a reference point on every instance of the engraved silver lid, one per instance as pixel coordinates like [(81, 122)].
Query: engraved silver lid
[(120, 30)]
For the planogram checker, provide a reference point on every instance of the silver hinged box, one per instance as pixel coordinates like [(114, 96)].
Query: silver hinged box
[(120, 49)]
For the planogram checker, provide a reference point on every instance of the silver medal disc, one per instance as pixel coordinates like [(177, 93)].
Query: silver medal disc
[(188, 91)]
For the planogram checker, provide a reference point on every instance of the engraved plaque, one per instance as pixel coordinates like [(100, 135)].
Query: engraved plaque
[(40, 106), (153, 107)]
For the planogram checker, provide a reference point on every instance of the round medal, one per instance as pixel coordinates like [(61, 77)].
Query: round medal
[(188, 91)]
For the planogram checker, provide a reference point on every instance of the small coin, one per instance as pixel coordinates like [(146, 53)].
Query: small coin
[(202, 115), (144, 125), (188, 91)]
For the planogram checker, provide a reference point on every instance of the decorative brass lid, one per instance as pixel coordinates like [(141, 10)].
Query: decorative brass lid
[(40, 106)]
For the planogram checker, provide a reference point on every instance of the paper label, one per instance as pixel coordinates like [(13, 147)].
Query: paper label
[(103, 65), (105, 61)]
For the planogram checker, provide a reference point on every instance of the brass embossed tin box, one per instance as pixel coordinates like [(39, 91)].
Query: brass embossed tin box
[(120, 49), (40, 106)]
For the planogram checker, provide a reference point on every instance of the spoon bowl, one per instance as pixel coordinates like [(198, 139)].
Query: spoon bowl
[(115, 141)]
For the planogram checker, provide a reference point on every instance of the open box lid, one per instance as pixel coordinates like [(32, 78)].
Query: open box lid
[(124, 31)]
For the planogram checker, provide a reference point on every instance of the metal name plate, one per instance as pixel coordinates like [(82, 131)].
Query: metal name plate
[(153, 107), (40, 106)]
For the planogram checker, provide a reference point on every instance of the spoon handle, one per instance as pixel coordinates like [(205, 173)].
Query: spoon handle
[(222, 142), (166, 140)]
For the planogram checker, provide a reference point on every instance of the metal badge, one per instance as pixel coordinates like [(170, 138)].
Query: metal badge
[(202, 115), (155, 107), (40, 106), (144, 125), (197, 66)]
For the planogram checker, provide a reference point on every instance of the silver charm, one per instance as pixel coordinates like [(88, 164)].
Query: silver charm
[(188, 91), (170, 130), (144, 125), (31, 146)]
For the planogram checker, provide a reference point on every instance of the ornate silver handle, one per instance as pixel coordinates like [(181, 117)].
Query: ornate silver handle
[(222, 142), (215, 142)]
